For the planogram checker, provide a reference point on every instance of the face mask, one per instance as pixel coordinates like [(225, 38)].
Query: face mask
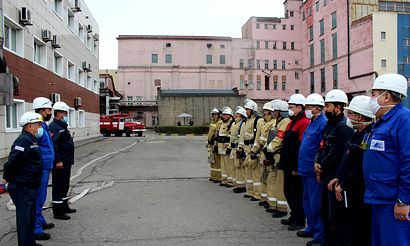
[(375, 106), (65, 120), (47, 118), (284, 114), (291, 113), (309, 114), (349, 123), (39, 132)]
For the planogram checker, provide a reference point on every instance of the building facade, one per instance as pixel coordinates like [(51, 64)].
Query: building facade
[(52, 47)]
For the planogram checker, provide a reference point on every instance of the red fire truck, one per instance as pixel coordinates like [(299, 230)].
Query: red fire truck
[(119, 124)]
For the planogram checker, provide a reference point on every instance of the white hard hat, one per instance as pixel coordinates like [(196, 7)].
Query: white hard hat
[(42, 102), (249, 104), (268, 106), (391, 82), (360, 105), (315, 99), (240, 110), (227, 110), (61, 106), (215, 111), (297, 99), (336, 96), (280, 105), (29, 118)]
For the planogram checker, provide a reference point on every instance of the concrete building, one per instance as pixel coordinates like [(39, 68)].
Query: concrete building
[(52, 47), (109, 96)]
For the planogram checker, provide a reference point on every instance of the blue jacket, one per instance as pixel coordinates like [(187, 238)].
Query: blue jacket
[(46, 148), (63, 143), (386, 164), (310, 145)]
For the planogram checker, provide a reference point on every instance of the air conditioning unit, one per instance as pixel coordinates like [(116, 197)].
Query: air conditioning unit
[(89, 67), (46, 35), (168, 45), (84, 66), (56, 42), (209, 46), (25, 17), (77, 6), (89, 28), (96, 37), (246, 82), (55, 97), (77, 102)]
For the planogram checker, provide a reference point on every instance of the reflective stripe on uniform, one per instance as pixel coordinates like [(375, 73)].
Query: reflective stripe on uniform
[(249, 181), (240, 182), (57, 202), (264, 195), (272, 199), (224, 176), (257, 183), (215, 169), (282, 203)]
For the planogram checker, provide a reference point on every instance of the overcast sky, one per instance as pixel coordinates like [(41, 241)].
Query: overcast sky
[(173, 17)]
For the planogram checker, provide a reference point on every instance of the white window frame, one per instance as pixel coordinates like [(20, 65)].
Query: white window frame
[(96, 87), (81, 118), (385, 63), (81, 79), (56, 69), (80, 33), (69, 72), (43, 54), (72, 118), (70, 14), (21, 109), (89, 83), (19, 36), (60, 11)]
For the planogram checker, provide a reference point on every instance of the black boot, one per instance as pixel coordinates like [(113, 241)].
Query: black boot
[(48, 226), (42, 237), (58, 212), (67, 209)]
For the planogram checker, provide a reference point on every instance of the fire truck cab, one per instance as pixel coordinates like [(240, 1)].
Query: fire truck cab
[(119, 124)]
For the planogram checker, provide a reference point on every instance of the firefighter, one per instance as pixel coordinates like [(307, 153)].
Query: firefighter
[(386, 164), (349, 182), (23, 172), (43, 106), (293, 186), (335, 136), (246, 141), (311, 139), (223, 143), (264, 140), (240, 172), (277, 202), (64, 159), (213, 158)]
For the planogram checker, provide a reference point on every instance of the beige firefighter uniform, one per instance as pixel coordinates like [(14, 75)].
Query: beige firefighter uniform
[(223, 141), (262, 143), (213, 158), (246, 141), (254, 166), (234, 140), (239, 161), (275, 191)]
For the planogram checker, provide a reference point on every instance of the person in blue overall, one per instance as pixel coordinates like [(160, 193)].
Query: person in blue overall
[(43, 106), (23, 171), (311, 188), (386, 164)]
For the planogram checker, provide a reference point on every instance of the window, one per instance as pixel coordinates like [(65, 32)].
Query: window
[(81, 118), (266, 64), (292, 27), (322, 51), (274, 45), (13, 37), (168, 58), (222, 59), (81, 32), (324, 2), (241, 82), (266, 45), (274, 27), (88, 41), (275, 64), (317, 6), (71, 118), (383, 63), (310, 11), (284, 45), (70, 16), (303, 15), (40, 53), (250, 82), (335, 77), (222, 46), (266, 26), (81, 77), (154, 58), (102, 84), (208, 59), (258, 83), (267, 83), (283, 82), (334, 20), (96, 89), (406, 42), (258, 26), (250, 63), (296, 75), (13, 114), (312, 82), (310, 33), (58, 64), (89, 83), (321, 27), (58, 7), (258, 44), (383, 35), (297, 91), (322, 80), (283, 64), (334, 45), (312, 55), (95, 50), (275, 82), (292, 45), (291, 13), (283, 27), (241, 63), (70, 71), (258, 64)]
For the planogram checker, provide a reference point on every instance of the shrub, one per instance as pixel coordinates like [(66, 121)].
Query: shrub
[(182, 129)]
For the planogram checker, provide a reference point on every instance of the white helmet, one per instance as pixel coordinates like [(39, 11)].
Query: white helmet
[(336, 96), (61, 106), (227, 110), (249, 104), (360, 105), (29, 118), (280, 105), (240, 110), (391, 82), (268, 106), (297, 99), (42, 102), (215, 111), (315, 99)]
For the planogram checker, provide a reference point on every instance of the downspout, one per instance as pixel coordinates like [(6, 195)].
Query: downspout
[(348, 50)]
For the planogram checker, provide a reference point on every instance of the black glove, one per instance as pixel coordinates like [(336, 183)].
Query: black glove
[(265, 151), (215, 150), (228, 151), (253, 155)]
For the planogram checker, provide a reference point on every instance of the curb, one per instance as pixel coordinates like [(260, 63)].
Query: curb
[(181, 135)]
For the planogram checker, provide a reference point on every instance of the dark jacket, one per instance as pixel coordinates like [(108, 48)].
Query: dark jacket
[(24, 165), (331, 150), (63, 142)]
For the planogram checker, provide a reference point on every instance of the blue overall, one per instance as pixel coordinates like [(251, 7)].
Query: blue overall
[(47, 155), (386, 169), (311, 188)]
